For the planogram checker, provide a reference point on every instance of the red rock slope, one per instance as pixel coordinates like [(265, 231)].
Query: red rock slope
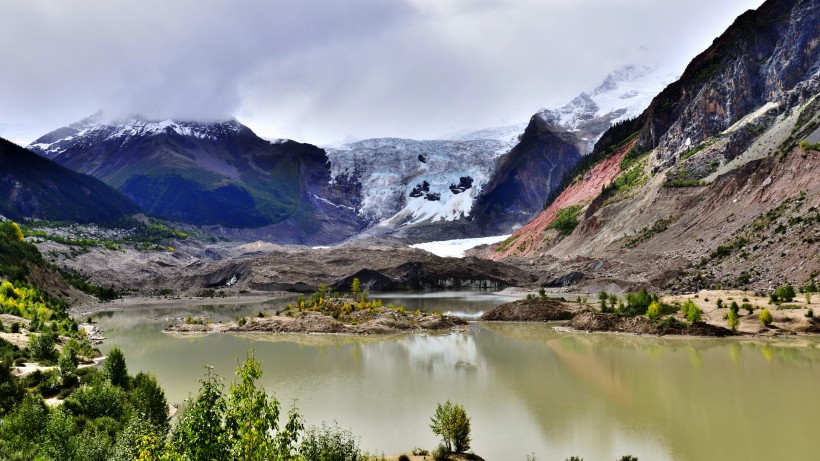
[(579, 192)]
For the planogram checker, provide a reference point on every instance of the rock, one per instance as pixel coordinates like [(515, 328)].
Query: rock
[(532, 310)]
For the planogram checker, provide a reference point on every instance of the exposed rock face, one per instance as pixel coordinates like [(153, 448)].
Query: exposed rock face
[(218, 174), (760, 58), (525, 178)]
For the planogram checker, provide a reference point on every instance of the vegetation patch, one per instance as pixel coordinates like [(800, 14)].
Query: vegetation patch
[(566, 220), (648, 232), (507, 242)]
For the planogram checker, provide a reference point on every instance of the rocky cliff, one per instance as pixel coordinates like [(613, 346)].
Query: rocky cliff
[(714, 184)]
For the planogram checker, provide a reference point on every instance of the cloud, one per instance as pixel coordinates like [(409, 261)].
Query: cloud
[(321, 70)]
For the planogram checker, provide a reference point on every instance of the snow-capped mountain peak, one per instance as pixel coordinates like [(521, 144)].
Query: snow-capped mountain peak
[(622, 95), (97, 128)]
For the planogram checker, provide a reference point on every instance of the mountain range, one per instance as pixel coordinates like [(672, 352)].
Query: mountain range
[(221, 176), (218, 175)]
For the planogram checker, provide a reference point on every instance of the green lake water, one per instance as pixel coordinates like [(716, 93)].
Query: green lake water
[(527, 387)]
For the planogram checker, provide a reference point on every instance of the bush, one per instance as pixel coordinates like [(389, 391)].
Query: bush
[(810, 313), (766, 317), (653, 312), (103, 399), (732, 320), (330, 444), (693, 314), (783, 293), (403, 457), (440, 453), (452, 424), (628, 458)]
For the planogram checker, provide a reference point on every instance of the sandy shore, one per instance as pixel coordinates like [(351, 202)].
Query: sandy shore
[(135, 302)]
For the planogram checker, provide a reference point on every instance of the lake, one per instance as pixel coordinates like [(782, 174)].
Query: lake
[(526, 387)]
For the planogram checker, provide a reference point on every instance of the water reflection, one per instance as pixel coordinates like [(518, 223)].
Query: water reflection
[(527, 387)]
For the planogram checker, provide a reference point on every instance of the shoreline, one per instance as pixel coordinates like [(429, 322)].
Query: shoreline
[(137, 302)]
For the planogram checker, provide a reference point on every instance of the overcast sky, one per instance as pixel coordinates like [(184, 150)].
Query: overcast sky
[(320, 71)]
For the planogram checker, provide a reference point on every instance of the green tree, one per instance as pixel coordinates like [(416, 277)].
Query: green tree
[(21, 429), (56, 442), (17, 232), (653, 312), (732, 320), (693, 314), (148, 400), (67, 362), (783, 293), (252, 419), (451, 423), (766, 317), (41, 348), (114, 368), (356, 288), (200, 433), (10, 390)]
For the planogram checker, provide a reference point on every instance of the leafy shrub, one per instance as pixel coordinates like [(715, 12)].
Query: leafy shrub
[(420, 452), (637, 303), (103, 399), (783, 293), (766, 317), (693, 314), (566, 220), (41, 348), (451, 423), (403, 457), (732, 320), (327, 443), (440, 453), (653, 312), (628, 458)]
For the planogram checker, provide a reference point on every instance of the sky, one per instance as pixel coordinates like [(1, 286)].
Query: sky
[(326, 71)]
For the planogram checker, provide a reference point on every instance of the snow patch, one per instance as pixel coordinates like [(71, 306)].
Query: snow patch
[(456, 248)]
